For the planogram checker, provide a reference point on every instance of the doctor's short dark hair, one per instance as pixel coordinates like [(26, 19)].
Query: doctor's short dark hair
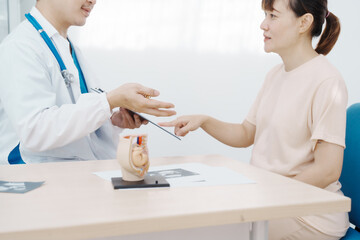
[(320, 12)]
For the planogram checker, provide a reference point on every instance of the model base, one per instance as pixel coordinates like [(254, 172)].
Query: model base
[(148, 182)]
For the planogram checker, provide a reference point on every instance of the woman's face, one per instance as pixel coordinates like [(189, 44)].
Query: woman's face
[(281, 28)]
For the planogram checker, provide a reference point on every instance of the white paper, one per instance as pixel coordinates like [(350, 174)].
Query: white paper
[(190, 174)]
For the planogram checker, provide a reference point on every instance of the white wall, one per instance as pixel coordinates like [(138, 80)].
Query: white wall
[(205, 56)]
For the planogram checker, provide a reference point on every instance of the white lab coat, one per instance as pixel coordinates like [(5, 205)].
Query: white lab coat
[(35, 105)]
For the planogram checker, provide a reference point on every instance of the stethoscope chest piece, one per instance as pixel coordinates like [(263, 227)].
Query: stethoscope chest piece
[(68, 77)]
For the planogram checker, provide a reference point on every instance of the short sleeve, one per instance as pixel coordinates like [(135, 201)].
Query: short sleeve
[(251, 117), (328, 112)]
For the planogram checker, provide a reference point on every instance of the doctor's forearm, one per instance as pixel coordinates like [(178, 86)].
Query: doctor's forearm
[(59, 126)]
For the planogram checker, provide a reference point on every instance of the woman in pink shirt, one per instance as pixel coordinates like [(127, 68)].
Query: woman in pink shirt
[(297, 122)]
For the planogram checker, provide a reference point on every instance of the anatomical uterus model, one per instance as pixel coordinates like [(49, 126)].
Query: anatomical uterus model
[(132, 154)]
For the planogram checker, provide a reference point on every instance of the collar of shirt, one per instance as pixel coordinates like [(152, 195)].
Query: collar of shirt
[(48, 28), (51, 31)]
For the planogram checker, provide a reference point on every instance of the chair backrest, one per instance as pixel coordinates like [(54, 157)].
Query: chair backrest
[(350, 176)]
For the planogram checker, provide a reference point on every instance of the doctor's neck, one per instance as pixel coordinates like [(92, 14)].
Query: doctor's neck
[(56, 19)]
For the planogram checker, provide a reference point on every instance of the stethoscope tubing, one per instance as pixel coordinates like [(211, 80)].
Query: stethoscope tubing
[(64, 72)]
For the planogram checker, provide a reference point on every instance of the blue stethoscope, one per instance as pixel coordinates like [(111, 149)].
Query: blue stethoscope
[(14, 156), (68, 77)]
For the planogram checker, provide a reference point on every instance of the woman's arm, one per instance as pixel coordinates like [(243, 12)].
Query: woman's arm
[(327, 167), (232, 134)]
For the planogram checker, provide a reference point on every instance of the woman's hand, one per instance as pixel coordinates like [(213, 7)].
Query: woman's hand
[(184, 124), (136, 97), (125, 119), (232, 134)]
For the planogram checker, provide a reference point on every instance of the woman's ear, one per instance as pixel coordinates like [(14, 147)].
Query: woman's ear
[(306, 22)]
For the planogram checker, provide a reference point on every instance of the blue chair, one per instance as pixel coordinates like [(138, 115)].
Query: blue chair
[(350, 176)]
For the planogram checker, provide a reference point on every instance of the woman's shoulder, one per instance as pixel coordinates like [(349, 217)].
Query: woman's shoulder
[(327, 76), (328, 79), (325, 68)]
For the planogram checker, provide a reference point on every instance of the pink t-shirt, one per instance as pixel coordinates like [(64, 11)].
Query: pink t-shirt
[(291, 112)]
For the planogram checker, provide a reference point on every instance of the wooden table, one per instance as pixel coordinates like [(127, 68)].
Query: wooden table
[(73, 203)]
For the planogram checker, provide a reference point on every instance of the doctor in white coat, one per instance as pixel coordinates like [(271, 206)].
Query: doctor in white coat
[(51, 107)]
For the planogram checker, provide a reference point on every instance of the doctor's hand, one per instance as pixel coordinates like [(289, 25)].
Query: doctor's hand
[(184, 124), (125, 119), (136, 97)]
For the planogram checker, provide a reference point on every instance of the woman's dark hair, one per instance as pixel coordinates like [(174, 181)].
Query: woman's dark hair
[(320, 12)]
